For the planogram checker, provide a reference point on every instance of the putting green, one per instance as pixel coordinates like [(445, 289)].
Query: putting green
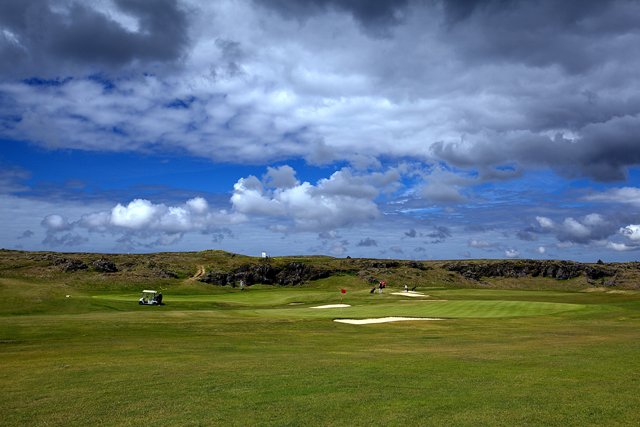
[(448, 309)]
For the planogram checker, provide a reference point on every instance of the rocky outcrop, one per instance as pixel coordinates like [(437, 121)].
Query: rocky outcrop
[(291, 274), (560, 270), (70, 265), (386, 264), (418, 265), (165, 274), (364, 275), (598, 273), (103, 265), (394, 264)]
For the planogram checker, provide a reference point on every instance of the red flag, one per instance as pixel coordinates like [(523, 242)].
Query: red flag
[(343, 291)]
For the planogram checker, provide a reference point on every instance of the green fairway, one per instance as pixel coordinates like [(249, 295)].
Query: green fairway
[(299, 304), (266, 357)]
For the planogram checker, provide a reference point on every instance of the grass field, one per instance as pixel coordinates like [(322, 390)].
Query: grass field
[(219, 356)]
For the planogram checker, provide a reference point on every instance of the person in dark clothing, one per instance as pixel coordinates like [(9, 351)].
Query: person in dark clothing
[(159, 298)]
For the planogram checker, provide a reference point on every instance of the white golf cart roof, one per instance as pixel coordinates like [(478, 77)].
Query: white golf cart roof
[(149, 292)]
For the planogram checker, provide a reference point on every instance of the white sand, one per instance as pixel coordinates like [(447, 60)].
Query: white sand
[(410, 294), (382, 320), (332, 306)]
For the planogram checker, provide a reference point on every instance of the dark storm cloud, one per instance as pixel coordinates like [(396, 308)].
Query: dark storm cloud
[(567, 12), (369, 13), (67, 240), (578, 39), (367, 242), (528, 234), (439, 233), (218, 234), (40, 39), (328, 235), (458, 10), (27, 234), (541, 33), (475, 228), (396, 249), (411, 233), (230, 66), (603, 153)]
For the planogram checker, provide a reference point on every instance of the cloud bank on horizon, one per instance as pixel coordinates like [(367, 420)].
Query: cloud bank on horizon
[(414, 128)]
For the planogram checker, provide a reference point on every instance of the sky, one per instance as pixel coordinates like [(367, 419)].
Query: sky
[(406, 129)]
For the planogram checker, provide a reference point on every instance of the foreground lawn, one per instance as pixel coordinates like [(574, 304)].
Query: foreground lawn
[(500, 358)]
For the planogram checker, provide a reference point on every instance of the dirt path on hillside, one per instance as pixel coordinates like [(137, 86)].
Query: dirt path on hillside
[(200, 272), (196, 276)]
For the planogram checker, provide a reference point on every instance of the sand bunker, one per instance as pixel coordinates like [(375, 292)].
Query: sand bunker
[(382, 320), (332, 306), (410, 294)]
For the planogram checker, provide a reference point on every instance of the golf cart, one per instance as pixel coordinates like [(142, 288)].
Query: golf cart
[(151, 298)]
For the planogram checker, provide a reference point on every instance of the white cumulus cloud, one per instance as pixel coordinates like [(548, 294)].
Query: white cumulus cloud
[(511, 253), (624, 195), (631, 231), (55, 223), (621, 247), (478, 243), (341, 200), (590, 228), (144, 219)]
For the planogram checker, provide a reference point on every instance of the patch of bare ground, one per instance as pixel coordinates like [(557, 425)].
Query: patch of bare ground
[(198, 274)]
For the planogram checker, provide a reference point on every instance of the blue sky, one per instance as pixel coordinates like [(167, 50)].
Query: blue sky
[(407, 129)]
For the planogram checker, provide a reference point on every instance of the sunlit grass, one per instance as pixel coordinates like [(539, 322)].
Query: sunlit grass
[(221, 356)]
